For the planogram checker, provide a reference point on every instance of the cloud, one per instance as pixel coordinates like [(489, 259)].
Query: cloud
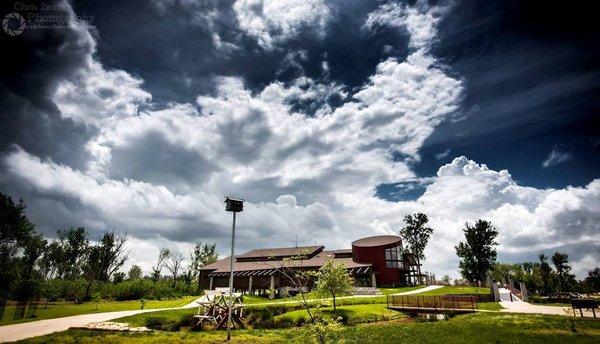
[(275, 21), (556, 157), (442, 155), (161, 172)]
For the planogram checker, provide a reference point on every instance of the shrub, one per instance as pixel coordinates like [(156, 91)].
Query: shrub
[(162, 323)]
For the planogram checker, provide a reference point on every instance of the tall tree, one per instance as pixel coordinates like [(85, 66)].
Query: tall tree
[(334, 280), (561, 264), (135, 272), (200, 256), (545, 274), (592, 281), (163, 255), (477, 253), (174, 265), (75, 247), (416, 234), (112, 254), (15, 232)]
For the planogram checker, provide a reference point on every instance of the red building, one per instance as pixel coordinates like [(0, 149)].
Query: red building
[(373, 261)]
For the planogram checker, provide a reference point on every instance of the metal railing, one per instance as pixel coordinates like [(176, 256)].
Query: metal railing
[(433, 302)]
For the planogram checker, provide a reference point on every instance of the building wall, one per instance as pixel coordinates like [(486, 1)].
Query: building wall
[(376, 255)]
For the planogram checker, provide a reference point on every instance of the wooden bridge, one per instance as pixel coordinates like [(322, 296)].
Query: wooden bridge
[(432, 303)]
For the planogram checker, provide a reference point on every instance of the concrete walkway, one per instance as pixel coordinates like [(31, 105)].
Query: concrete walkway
[(421, 290), (10, 333)]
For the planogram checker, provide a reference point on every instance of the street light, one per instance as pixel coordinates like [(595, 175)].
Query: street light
[(234, 205)]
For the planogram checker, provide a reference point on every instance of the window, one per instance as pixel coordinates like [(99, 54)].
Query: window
[(393, 257)]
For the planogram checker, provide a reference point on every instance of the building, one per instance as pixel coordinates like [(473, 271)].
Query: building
[(373, 261)]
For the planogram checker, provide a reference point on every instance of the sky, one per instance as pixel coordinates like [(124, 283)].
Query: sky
[(332, 119)]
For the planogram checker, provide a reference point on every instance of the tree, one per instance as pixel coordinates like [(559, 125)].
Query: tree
[(545, 274), (202, 255), (112, 254), (16, 232), (592, 281), (446, 280), (160, 263), (74, 245), (135, 272), (333, 279), (174, 264), (416, 234), (477, 253), (561, 264), (118, 277)]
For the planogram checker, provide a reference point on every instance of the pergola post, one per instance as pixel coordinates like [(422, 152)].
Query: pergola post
[(272, 287), (210, 285), (373, 280), (250, 285)]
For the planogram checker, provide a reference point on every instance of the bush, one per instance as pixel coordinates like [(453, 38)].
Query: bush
[(162, 324)]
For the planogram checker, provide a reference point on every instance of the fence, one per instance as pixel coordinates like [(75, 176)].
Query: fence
[(433, 302)]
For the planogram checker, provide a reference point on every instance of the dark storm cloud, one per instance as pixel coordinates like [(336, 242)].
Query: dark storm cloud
[(532, 81), (153, 159), (34, 62), (171, 46)]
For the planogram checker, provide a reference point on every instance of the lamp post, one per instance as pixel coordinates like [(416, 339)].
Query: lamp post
[(233, 205)]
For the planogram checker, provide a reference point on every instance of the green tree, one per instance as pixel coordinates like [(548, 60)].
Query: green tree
[(592, 281), (477, 253), (416, 234), (111, 255), (135, 272), (163, 255), (561, 264), (16, 232), (545, 274), (334, 280), (73, 258), (200, 256)]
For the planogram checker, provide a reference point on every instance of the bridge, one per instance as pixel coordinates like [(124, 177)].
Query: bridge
[(432, 303)]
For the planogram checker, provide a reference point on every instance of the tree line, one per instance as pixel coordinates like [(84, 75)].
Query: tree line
[(73, 268)]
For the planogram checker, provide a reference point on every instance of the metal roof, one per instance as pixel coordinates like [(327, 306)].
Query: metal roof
[(379, 240)]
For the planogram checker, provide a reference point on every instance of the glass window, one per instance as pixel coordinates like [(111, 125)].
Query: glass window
[(393, 257)]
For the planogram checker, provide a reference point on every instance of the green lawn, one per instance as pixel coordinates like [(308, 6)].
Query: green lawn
[(489, 306), (469, 329), (353, 314), (457, 290), (64, 309)]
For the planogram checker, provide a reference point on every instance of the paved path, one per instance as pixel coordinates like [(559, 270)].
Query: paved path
[(525, 307), (9, 333), (421, 290)]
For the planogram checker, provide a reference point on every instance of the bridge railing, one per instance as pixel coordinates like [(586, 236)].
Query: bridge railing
[(441, 302)]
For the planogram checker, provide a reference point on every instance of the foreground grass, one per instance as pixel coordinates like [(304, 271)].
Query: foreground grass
[(449, 290), (65, 309), (473, 328)]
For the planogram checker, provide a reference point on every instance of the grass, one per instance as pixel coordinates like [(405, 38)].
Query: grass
[(65, 309), (353, 314), (468, 329), (256, 299), (489, 306), (457, 290)]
